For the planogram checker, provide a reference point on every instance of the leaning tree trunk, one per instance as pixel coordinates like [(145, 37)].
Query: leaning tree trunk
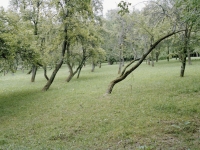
[(45, 73), (126, 73), (29, 72), (71, 73), (79, 72), (53, 75), (58, 66), (34, 71)]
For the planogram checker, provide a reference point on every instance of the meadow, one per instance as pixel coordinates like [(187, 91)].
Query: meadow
[(152, 109)]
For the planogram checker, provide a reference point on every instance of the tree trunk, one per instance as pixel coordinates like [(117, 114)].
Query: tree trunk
[(183, 66), (71, 73), (152, 62), (58, 66), (29, 71), (79, 71), (45, 73), (99, 64), (34, 71), (93, 67), (126, 73), (197, 55), (168, 52), (53, 75), (185, 49), (148, 60), (157, 56)]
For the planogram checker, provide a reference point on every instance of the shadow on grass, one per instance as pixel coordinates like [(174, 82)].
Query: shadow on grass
[(13, 103)]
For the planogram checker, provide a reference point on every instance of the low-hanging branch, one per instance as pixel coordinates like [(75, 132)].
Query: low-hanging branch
[(125, 73)]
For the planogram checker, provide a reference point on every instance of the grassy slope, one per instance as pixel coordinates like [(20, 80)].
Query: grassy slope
[(153, 108)]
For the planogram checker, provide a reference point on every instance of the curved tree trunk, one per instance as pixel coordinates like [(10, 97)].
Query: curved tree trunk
[(126, 73), (45, 73), (58, 66), (71, 73), (53, 75), (79, 71)]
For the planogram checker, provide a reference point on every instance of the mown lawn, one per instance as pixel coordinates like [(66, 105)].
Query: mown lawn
[(152, 109)]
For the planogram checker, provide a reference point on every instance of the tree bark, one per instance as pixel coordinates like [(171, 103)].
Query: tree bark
[(185, 49), (157, 56), (71, 73), (45, 73), (29, 71), (126, 73), (168, 52), (53, 75), (34, 71), (79, 71), (183, 66), (93, 67), (99, 64), (58, 66)]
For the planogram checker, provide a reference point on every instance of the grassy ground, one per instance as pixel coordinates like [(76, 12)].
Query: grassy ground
[(152, 109)]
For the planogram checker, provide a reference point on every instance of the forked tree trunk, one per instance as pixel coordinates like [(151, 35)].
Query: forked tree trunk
[(58, 66), (53, 75), (71, 73), (34, 71), (126, 73)]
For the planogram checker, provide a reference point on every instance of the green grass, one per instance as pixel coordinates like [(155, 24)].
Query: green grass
[(152, 109)]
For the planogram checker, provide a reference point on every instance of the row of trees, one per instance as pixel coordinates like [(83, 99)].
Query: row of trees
[(41, 33), (163, 29), (50, 33)]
